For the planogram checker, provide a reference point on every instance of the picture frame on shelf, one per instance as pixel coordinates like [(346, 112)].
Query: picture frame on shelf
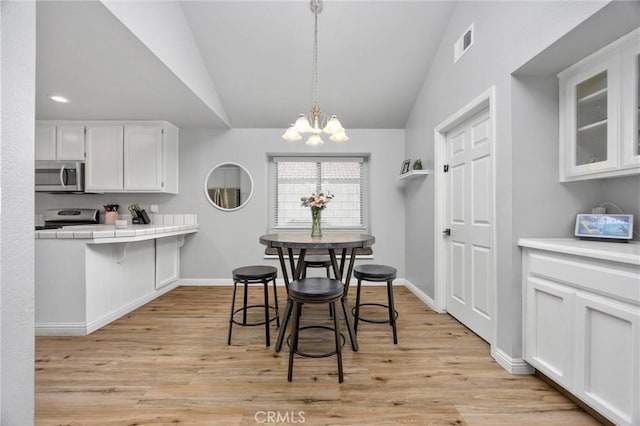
[(405, 166)]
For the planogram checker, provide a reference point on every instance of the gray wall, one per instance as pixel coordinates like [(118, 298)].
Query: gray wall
[(507, 34), (17, 70), (230, 239)]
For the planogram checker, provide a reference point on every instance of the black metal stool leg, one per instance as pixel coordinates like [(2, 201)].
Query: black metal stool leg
[(347, 319), (338, 345), (294, 338), (266, 313), (356, 317), (233, 305), (285, 321), (275, 301), (392, 315), (245, 301)]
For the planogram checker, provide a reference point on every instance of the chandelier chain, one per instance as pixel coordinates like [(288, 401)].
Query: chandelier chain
[(315, 58), (315, 122)]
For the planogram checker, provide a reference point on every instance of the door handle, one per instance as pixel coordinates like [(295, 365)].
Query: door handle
[(447, 232)]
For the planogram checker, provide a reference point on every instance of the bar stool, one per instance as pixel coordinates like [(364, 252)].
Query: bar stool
[(314, 290), (316, 261), (376, 273), (254, 275)]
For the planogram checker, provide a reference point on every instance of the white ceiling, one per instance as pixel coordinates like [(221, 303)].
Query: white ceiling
[(373, 57)]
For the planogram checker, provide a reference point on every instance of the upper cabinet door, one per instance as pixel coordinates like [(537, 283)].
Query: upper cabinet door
[(589, 126), (631, 103), (143, 157), (104, 167), (45, 142), (599, 113), (70, 144)]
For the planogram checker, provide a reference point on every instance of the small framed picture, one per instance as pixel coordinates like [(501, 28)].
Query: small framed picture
[(405, 166)]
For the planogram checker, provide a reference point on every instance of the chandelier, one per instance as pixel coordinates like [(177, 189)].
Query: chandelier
[(315, 122)]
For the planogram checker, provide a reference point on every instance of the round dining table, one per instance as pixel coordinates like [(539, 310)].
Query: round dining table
[(342, 241)]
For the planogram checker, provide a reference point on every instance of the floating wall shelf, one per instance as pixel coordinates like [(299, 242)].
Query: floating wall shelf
[(414, 173)]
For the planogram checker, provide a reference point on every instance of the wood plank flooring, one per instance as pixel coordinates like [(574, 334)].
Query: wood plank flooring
[(168, 362)]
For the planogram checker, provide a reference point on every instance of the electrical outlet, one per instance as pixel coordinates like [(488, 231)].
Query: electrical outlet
[(154, 208)]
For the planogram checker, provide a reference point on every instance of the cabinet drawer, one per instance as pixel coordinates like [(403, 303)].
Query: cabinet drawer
[(612, 279)]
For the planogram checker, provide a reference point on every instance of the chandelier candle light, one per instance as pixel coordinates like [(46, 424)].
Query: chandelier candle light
[(316, 122), (317, 203)]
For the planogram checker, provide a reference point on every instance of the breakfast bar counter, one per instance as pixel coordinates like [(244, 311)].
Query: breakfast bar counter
[(90, 275), (106, 234)]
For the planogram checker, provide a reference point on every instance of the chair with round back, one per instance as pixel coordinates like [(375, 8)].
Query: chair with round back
[(257, 274), (376, 273), (316, 290)]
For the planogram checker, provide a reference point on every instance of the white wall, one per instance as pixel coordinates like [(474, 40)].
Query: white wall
[(17, 87), (230, 239), (507, 34)]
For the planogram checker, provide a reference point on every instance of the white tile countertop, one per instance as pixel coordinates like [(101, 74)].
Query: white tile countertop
[(105, 234)]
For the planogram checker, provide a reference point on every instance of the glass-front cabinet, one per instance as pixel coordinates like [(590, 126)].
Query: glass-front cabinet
[(631, 103), (599, 115)]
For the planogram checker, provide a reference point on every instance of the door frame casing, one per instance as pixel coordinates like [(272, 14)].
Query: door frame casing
[(486, 99)]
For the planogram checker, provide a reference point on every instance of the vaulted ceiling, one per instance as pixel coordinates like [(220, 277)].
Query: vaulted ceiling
[(373, 57)]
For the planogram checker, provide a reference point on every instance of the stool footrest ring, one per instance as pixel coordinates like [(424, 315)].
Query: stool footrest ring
[(384, 321), (251, 324), (323, 355)]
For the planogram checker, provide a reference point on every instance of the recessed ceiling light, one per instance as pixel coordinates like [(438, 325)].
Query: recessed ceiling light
[(58, 99)]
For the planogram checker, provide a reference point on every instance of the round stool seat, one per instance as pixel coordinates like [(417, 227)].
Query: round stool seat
[(316, 289), (257, 272), (374, 272)]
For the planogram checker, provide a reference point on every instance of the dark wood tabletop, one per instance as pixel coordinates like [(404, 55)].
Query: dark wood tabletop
[(327, 241)]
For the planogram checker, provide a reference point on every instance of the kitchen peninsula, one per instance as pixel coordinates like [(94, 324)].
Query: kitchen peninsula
[(90, 275)]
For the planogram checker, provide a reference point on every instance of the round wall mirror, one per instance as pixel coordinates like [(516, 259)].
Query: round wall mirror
[(228, 186)]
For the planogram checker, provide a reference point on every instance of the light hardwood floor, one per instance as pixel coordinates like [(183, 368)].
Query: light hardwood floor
[(168, 362)]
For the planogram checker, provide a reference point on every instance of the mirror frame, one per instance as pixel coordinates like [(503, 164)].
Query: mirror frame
[(206, 189)]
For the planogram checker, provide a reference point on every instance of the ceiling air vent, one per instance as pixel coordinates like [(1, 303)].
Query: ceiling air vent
[(463, 44)]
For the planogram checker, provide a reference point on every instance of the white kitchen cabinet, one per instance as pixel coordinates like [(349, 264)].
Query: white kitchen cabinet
[(167, 260), (599, 113), (581, 324), (104, 169), (607, 356), (45, 141), (548, 323), (59, 141), (143, 157), (631, 105), (137, 157)]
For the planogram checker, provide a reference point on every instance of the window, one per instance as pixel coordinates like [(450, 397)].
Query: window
[(291, 178)]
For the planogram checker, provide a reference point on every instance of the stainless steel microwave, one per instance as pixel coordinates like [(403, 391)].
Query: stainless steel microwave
[(59, 176)]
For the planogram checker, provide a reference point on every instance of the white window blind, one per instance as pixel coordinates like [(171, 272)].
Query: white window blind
[(296, 177)]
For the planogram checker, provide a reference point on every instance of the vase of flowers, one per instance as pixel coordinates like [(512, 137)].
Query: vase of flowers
[(317, 203)]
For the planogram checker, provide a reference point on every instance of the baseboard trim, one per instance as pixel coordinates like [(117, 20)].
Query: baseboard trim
[(512, 365), (61, 329), (131, 306), (84, 329), (424, 297)]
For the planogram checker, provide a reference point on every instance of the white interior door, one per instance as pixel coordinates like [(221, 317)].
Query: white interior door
[(469, 216)]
